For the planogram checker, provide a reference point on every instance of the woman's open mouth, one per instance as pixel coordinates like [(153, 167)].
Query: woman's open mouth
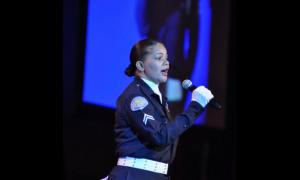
[(165, 72)]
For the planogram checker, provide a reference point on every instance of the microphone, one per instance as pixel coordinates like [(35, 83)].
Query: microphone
[(188, 85)]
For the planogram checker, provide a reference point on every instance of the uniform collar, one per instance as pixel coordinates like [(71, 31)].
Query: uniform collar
[(145, 86), (147, 89), (152, 85)]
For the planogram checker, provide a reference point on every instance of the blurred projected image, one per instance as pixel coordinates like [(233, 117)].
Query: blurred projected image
[(113, 26)]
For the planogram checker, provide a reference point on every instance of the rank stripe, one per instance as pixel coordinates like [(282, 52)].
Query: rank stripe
[(146, 117)]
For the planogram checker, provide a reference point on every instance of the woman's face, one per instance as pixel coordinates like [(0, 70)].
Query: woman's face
[(156, 64)]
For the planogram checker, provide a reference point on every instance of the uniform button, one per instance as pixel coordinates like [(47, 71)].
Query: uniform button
[(185, 126)]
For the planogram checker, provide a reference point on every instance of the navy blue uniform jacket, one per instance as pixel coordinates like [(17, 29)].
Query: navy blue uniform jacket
[(143, 128)]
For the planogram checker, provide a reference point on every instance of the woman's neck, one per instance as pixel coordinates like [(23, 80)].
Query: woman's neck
[(141, 75)]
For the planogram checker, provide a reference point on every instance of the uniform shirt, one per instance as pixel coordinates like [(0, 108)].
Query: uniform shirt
[(142, 127), (154, 88)]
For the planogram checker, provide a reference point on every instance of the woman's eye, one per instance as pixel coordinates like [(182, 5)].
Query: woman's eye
[(161, 58)]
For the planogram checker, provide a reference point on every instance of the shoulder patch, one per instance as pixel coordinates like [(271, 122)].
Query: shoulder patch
[(138, 103)]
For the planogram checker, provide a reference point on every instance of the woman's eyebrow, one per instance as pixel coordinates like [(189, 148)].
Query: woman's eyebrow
[(160, 53)]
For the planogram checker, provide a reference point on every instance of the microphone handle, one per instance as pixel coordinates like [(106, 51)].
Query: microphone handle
[(213, 103)]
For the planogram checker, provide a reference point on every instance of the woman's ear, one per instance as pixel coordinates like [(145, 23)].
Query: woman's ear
[(139, 66)]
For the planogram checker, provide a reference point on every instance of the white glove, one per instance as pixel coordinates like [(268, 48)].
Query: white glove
[(202, 95)]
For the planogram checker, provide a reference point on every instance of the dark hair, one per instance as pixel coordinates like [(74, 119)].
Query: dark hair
[(137, 53)]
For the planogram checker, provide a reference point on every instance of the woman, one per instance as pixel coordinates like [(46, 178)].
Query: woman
[(144, 133)]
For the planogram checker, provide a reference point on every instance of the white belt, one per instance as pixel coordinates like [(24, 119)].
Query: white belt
[(144, 164)]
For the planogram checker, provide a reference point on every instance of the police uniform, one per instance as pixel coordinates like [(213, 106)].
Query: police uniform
[(145, 135)]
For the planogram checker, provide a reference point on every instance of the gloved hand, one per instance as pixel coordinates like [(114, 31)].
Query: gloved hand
[(202, 95)]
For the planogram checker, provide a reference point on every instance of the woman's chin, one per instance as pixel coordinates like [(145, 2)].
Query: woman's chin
[(164, 79)]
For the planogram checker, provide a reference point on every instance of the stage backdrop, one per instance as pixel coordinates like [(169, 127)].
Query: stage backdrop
[(113, 26)]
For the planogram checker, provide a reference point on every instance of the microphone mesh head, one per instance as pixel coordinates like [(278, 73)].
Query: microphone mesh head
[(186, 83)]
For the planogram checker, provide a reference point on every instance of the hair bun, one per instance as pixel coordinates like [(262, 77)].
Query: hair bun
[(129, 71)]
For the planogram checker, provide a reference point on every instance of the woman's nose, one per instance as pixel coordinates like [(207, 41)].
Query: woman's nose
[(166, 62)]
